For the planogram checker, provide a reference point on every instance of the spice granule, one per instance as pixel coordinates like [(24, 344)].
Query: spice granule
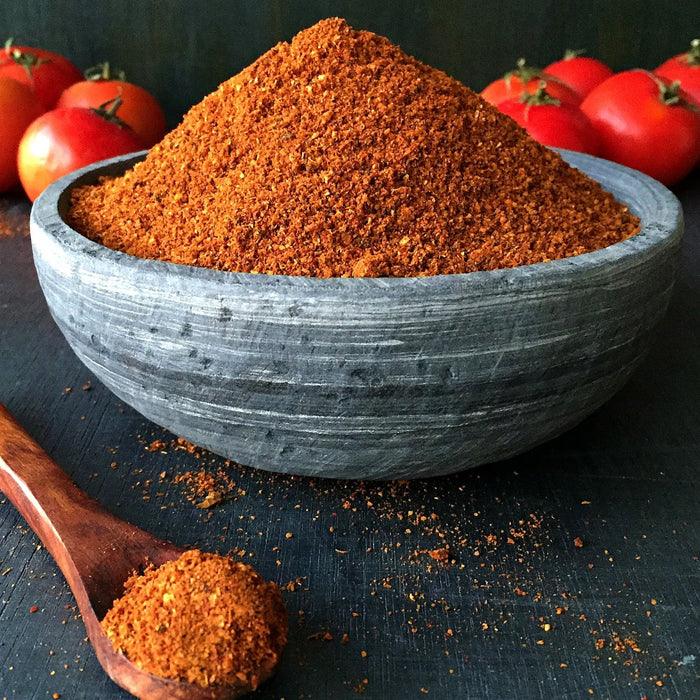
[(202, 618), (338, 155)]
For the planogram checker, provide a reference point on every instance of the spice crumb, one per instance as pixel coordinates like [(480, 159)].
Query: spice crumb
[(441, 555), (156, 446), (323, 635), (212, 499)]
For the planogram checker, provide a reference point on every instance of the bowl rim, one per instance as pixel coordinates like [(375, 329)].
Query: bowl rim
[(659, 230)]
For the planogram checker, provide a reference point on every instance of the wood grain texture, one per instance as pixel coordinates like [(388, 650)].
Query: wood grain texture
[(96, 552), (364, 378), (635, 460)]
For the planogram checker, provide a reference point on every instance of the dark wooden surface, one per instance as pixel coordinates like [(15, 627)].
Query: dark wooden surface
[(182, 49), (625, 482)]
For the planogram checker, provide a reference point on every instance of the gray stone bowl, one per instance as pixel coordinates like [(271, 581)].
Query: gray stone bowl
[(363, 378)]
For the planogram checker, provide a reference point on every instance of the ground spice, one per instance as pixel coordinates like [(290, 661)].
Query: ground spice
[(202, 618), (14, 219), (339, 155), (206, 489)]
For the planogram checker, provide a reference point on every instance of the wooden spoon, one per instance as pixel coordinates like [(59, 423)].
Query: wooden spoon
[(96, 552)]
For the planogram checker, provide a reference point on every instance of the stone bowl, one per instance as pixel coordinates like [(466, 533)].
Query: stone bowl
[(363, 378)]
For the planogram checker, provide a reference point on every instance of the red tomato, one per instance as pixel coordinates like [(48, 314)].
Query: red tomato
[(139, 109), (45, 72), (645, 123), (527, 79), (685, 68), (580, 72), (553, 123), (19, 107), (66, 139)]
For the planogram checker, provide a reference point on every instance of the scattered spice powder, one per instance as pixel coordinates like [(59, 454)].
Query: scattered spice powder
[(441, 555), (509, 563), (323, 635), (14, 219), (202, 618), (338, 155), (206, 489), (156, 446)]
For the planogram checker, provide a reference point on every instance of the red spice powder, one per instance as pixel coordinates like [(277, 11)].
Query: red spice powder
[(201, 618), (339, 155)]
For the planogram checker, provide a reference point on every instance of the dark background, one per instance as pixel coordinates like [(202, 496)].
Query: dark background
[(182, 49)]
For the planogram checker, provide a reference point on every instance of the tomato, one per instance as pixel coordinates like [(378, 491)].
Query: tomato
[(685, 68), (580, 72), (553, 123), (66, 139), (45, 72), (526, 79), (19, 107), (139, 109), (646, 123)]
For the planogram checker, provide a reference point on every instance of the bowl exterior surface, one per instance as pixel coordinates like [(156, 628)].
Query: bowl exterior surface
[(363, 378)]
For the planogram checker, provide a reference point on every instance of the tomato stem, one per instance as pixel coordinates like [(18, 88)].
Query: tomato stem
[(692, 58), (670, 94), (108, 110), (539, 97), (573, 53), (28, 60), (523, 72), (104, 71)]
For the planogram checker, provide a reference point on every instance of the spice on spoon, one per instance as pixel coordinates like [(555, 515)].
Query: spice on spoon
[(202, 618), (338, 155)]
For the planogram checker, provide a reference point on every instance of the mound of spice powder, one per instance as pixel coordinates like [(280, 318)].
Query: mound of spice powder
[(339, 155), (202, 618)]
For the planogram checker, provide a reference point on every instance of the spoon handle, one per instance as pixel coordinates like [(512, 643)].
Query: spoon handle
[(55, 508), (90, 545)]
